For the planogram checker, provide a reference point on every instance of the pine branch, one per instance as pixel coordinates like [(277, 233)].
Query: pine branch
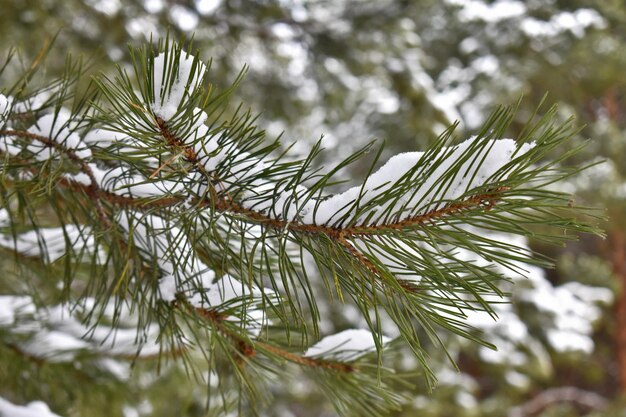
[(93, 190), (196, 216), (224, 205), (249, 349)]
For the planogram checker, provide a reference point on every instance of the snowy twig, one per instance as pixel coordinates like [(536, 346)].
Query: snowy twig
[(339, 234), (92, 191), (249, 349)]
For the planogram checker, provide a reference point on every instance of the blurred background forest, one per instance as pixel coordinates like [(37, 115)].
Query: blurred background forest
[(401, 71)]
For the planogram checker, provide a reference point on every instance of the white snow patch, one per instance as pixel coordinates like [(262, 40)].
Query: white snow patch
[(450, 377), (55, 333), (104, 137), (569, 310), (507, 353), (471, 10), (183, 272), (576, 22), (56, 127), (121, 181), (55, 346), (13, 306), (37, 101), (184, 18), (169, 247), (517, 379), (7, 145), (427, 193), (206, 7), (52, 243), (507, 325), (171, 90), (347, 345), (120, 370), (33, 409), (5, 106), (109, 7), (230, 293), (565, 340), (465, 400), (274, 200), (153, 6)]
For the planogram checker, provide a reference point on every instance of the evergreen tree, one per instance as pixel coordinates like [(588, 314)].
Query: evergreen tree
[(149, 226)]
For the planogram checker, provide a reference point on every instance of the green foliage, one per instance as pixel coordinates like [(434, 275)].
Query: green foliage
[(415, 252)]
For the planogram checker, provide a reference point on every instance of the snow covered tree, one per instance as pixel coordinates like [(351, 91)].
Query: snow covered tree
[(150, 226)]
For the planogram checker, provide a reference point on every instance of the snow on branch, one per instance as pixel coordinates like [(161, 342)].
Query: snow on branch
[(32, 409), (408, 185), (57, 334), (5, 106), (345, 346), (156, 161), (176, 75), (57, 127), (411, 184), (183, 274), (51, 243)]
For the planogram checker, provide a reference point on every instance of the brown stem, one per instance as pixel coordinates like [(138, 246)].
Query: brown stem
[(340, 235), (249, 349), (305, 361), (224, 204), (93, 190), (358, 255)]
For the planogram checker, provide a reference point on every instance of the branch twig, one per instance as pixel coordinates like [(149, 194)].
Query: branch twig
[(93, 190), (250, 349)]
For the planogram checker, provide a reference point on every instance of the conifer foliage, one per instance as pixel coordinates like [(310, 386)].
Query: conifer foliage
[(147, 224)]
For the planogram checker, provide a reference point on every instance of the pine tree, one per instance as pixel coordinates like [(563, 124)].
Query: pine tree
[(148, 226)]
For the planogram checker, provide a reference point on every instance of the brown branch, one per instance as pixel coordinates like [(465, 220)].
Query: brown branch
[(349, 247), (176, 142), (487, 200), (249, 349), (306, 361), (92, 191), (42, 53), (340, 235), (225, 204)]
